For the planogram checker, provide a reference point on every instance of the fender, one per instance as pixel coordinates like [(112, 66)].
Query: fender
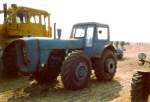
[(110, 47), (107, 47), (7, 42)]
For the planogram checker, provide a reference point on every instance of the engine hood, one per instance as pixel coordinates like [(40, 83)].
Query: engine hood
[(47, 43)]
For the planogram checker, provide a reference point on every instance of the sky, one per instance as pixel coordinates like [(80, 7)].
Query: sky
[(129, 20)]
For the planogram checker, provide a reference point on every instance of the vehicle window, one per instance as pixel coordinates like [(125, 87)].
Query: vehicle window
[(79, 32), (22, 17), (43, 19), (102, 33), (89, 37), (32, 19), (35, 19), (2, 18), (46, 22)]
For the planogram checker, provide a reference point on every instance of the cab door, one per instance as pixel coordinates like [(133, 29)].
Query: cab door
[(89, 40), (101, 39)]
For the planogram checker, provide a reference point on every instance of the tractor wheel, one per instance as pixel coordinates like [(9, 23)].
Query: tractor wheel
[(137, 88), (105, 67), (76, 71), (147, 86), (9, 62), (51, 71)]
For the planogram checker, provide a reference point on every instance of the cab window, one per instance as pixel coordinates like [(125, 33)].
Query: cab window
[(22, 17), (79, 32), (35, 19), (102, 33)]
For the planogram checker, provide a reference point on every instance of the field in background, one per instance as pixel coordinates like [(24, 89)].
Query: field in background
[(118, 90)]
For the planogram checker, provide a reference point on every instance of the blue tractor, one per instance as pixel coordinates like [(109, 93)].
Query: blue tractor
[(119, 53), (87, 49)]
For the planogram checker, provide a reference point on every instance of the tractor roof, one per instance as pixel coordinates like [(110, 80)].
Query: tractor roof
[(32, 10), (90, 23), (15, 8)]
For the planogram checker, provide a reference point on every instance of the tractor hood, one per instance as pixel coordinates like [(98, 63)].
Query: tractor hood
[(48, 44), (37, 51), (61, 44)]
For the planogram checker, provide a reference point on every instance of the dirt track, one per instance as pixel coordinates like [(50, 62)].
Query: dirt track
[(117, 90)]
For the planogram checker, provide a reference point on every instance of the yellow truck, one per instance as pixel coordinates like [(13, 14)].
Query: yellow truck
[(21, 21)]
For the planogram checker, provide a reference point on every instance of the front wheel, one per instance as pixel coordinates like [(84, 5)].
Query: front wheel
[(105, 67), (76, 71)]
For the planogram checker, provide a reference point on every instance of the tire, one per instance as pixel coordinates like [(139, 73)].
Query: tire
[(52, 69), (105, 67), (138, 91), (76, 71), (10, 69), (1, 67)]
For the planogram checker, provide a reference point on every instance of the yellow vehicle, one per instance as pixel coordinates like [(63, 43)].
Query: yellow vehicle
[(21, 21)]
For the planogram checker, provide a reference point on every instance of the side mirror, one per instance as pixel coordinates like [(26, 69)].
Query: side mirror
[(142, 56)]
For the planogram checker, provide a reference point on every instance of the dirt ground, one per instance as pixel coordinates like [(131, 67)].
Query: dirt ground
[(118, 90)]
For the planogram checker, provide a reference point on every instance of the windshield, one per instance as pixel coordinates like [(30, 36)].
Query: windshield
[(79, 32), (21, 17), (2, 18)]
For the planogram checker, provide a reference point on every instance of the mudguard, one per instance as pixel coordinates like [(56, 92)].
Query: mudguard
[(106, 47)]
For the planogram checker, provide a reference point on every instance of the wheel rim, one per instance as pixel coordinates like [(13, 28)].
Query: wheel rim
[(81, 71), (110, 65)]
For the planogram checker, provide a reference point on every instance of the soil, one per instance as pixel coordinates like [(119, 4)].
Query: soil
[(117, 90)]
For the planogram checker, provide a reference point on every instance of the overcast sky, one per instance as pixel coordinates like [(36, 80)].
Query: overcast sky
[(129, 20)]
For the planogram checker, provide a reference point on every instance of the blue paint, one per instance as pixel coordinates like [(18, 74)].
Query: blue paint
[(39, 48), (33, 53), (46, 45)]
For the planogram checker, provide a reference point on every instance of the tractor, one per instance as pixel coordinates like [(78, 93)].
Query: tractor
[(87, 49), (18, 22), (120, 53), (140, 85)]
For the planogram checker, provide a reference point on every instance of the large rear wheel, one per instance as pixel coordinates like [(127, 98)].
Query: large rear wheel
[(9, 57), (105, 67), (76, 71)]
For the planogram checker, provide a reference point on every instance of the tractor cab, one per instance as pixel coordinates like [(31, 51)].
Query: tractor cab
[(95, 36), (90, 31), (23, 21)]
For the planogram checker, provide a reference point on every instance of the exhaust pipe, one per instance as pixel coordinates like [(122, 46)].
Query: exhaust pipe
[(54, 30), (5, 12)]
